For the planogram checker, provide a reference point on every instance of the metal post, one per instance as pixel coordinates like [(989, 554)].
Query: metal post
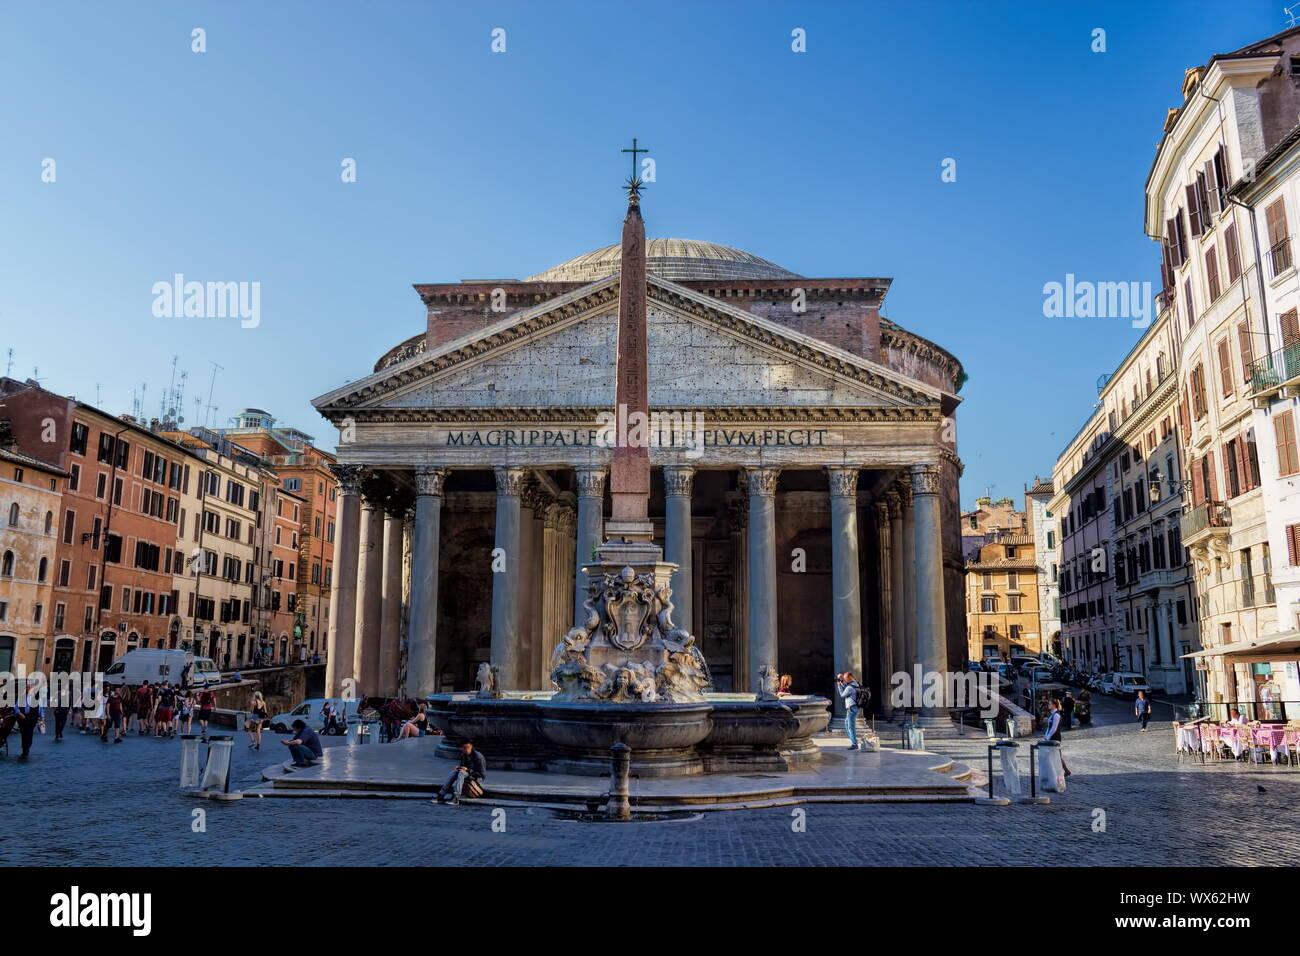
[(1033, 774), (619, 807), (991, 748)]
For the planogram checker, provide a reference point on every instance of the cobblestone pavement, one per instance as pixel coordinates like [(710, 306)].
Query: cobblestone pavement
[(82, 801)]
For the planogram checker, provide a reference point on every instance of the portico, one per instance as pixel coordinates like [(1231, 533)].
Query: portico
[(806, 491)]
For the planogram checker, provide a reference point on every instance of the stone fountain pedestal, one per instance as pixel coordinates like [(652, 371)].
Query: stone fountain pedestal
[(628, 675)]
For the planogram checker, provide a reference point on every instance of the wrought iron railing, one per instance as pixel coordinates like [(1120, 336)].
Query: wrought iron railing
[(1279, 257), (1210, 514), (1273, 369)]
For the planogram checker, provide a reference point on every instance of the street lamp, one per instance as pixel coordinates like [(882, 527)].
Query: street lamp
[(1157, 479)]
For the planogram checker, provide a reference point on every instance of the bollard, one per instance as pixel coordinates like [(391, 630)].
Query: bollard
[(1050, 768), (913, 737), (1010, 770), (1011, 726), (990, 727), (216, 775), (619, 807), (189, 761)]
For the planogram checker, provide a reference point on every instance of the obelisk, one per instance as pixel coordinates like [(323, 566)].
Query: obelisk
[(629, 474)]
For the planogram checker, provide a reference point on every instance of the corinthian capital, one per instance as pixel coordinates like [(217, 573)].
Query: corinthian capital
[(429, 480), (893, 503), (762, 480), (843, 480), (925, 479), (903, 489), (511, 481), (882, 514), (678, 480), (349, 478), (591, 482)]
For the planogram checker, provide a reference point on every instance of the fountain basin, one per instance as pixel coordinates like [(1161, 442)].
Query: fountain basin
[(662, 737), (527, 730)]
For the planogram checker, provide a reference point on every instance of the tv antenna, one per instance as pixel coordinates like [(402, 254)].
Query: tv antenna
[(211, 385), (1292, 18)]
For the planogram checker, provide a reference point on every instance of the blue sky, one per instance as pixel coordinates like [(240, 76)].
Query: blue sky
[(225, 166)]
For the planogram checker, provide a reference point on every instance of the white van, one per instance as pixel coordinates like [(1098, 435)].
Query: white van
[(155, 665), (309, 713)]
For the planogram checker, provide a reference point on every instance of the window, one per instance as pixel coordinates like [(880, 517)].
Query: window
[(13, 515), (1279, 237), (1232, 253), (7, 565), (1247, 353), (79, 435), (1293, 545), (1187, 302), (1225, 367), (1290, 326), (42, 569), (1199, 406), (1013, 602), (988, 604), (1212, 272), (69, 524), (1288, 462), (65, 572)]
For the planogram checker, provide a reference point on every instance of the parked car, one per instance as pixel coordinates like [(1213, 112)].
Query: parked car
[(974, 666), (154, 664), (1124, 684), (309, 713)]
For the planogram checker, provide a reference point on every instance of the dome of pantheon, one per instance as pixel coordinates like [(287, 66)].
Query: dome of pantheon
[(672, 259)]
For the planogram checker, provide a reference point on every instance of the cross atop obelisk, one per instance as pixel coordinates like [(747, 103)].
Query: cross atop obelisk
[(629, 476)]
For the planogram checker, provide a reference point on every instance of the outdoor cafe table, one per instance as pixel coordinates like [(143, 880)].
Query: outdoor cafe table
[(1235, 736), (1271, 736)]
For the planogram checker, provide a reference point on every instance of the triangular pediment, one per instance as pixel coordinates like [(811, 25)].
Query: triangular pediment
[(703, 354)]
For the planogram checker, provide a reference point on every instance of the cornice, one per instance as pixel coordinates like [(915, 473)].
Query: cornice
[(503, 415), (1163, 398)]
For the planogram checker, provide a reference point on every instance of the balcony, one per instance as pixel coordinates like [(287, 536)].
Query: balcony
[(1205, 520), (1276, 372), (1279, 258)]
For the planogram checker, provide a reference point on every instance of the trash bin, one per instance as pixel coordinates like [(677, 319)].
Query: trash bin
[(913, 737), (990, 727), (216, 775), (1011, 725), (1051, 771), (189, 761), (1008, 755)]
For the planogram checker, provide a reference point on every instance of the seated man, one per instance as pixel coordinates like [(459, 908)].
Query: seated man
[(472, 766), (305, 746)]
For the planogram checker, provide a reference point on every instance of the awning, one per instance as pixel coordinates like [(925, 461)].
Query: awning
[(1284, 646)]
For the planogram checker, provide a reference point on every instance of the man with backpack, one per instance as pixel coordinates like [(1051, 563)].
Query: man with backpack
[(207, 701), (144, 708), (856, 697)]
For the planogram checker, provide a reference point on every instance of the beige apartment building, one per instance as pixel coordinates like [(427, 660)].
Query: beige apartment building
[(1224, 262), (225, 542), (1002, 598), (30, 497)]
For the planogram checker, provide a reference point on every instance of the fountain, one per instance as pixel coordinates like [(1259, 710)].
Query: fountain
[(627, 675)]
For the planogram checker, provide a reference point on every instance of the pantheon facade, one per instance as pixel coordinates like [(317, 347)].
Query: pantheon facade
[(804, 476)]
